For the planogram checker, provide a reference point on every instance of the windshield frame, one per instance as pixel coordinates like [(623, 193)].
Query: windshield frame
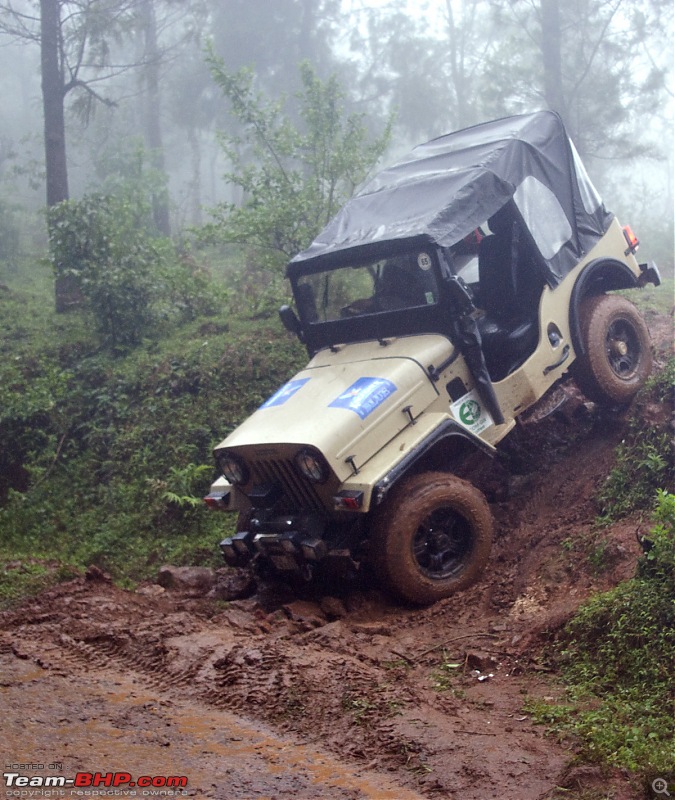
[(378, 324)]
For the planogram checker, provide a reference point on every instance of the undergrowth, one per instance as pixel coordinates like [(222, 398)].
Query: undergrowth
[(644, 459), (617, 656), (105, 456)]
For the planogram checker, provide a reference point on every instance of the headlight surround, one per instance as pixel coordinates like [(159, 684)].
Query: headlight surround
[(312, 465), (233, 468)]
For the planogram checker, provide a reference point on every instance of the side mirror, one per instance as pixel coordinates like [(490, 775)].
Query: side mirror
[(290, 321)]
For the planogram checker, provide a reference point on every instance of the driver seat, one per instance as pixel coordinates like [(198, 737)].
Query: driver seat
[(508, 294)]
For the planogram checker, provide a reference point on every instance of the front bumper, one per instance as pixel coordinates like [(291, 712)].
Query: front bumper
[(287, 542)]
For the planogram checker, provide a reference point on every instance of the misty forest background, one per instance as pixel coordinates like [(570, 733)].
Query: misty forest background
[(160, 162)]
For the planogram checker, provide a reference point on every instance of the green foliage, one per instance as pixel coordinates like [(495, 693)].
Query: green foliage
[(656, 298), (132, 279), (9, 233), (182, 485), (104, 459), (103, 243), (293, 177), (644, 459), (23, 578), (618, 658), (658, 564)]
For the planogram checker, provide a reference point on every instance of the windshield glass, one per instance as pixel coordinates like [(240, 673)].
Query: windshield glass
[(387, 284)]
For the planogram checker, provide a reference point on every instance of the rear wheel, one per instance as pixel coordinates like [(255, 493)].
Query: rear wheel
[(618, 357), (432, 538)]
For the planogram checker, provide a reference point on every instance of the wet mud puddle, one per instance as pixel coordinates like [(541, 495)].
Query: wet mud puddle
[(106, 733)]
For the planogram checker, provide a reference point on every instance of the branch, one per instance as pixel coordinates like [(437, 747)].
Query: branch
[(595, 49), (53, 464), (456, 639), (78, 84), (25, 26)]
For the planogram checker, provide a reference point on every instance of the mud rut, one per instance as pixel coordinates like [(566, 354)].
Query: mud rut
[(345, 698)]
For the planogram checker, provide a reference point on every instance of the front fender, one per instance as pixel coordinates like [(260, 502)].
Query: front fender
[(446, 430)]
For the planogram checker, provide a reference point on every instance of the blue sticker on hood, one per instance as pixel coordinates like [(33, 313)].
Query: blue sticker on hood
[(285, 393), (364, 395)]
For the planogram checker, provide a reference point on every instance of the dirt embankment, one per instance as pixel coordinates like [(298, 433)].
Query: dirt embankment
[(331, 697)]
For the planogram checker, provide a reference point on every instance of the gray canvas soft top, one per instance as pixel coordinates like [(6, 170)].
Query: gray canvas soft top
[(446, 188)]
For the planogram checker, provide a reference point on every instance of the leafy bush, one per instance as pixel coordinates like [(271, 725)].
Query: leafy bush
[(9, 233), (294, 175), (644, 461), (105, 459), (131, 278), (101, 242)]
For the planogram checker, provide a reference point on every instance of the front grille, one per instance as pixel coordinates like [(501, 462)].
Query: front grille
[(299, 492)]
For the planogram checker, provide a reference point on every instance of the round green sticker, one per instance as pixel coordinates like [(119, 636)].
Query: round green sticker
[(470, 412)]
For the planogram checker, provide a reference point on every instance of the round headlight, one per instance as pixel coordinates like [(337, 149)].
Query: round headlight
[(312, 465), (233, 468)]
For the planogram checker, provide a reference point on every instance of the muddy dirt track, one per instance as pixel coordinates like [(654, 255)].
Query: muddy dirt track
[(328, 697)]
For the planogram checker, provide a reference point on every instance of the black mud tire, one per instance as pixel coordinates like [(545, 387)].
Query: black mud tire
[(618, 357), (431, 538)]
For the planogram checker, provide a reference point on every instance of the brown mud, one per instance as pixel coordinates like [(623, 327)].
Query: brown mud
[(347, 696)]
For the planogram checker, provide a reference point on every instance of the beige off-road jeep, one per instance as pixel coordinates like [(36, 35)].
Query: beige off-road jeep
[(445, 299)]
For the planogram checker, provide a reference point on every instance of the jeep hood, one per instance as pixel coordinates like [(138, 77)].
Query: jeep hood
[(347, 404)]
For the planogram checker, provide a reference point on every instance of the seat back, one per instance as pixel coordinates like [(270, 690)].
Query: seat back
[(509, 279), (496, 275)]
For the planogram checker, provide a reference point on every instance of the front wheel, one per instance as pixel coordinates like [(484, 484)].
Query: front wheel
[(618, 357), (432, 538)]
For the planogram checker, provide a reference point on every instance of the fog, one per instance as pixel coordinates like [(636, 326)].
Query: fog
[(436, 66)]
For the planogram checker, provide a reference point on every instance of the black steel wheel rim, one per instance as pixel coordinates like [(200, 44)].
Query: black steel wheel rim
[(442, 544), (623, 349)]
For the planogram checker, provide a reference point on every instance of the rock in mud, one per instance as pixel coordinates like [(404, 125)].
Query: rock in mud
[(94, 573), (475, 659), (233, 584), (190, 580), (333, 608), (304, 614)]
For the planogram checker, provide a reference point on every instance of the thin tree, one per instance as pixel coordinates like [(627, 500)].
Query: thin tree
[(590, 61), (153, 108), (75, 38)]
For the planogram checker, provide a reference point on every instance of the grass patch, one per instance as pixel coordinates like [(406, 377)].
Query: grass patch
[(22, 578), (617, 657), (105, 456), (644, 459), (658, 299)]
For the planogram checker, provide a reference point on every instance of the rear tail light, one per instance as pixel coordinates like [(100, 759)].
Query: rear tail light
[(631, 239)]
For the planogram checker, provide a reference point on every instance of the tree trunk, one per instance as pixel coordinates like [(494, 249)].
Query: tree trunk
[(153, 130), (551, 57), (66, 290), (53, 101), (196, 182)]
